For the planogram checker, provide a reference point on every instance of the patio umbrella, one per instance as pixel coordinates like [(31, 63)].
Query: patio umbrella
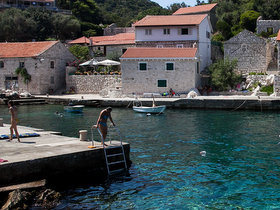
[(91, 62), (109, 63)]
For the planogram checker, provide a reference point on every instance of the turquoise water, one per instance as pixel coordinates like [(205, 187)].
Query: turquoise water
[(240, 169)]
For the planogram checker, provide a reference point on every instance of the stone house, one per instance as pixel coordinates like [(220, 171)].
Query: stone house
[(44, 61), (209, 9), (156, 70), (181, 31), (271, 26), (254, 54), (103, 46), (113, 30)]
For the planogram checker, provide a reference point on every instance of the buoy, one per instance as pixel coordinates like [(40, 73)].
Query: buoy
[(203, 153), (148, 114)]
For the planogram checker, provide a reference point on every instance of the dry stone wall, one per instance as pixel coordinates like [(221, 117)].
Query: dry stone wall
[(266, 25), (96, 84), (253, 53)]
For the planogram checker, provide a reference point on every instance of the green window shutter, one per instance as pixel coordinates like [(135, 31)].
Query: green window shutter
[(169, 66), (142, 66), (162, 83)]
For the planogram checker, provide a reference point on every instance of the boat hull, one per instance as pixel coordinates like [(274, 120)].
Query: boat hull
[(74, 109), (152, 110)]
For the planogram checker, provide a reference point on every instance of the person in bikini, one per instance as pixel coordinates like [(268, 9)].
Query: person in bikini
[(14, 120), (102, 122)]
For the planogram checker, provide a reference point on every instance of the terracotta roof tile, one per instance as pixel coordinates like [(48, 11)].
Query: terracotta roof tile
[(122, 38), (170, 20), (160, 53), (196, 9), (81, 40), (24, 49), (278, 36)]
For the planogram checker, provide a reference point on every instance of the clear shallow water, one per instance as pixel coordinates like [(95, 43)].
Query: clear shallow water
[(240, 169)]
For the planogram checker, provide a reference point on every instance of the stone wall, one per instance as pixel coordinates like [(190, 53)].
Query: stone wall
[(254, 54), (113, 30), (96, 84), (277, 85), (265, 25)]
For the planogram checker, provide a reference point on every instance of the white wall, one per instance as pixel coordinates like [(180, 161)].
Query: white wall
[(204, 46), (183, 78), (157, 34)]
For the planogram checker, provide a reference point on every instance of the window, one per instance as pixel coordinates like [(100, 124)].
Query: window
[(123, 51), (269, 30), (169, 66), (197, 67), (148, 31), (208, 34), (159, 46), (1, 64), (162, 83), (21, 64), (184, 31), (142, 66), (166, 31), (179, 45), (52, 64), (52, 80)]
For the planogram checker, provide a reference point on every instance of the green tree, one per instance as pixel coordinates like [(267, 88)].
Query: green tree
[(248, 20), (224, 28), (223, 75), (81, 52), (65, 26), (174, 7), (86, 11), (15, 26), (43, 22)]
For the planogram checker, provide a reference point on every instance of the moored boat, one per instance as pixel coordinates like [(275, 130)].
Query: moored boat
[(152, 110), (75, 109)]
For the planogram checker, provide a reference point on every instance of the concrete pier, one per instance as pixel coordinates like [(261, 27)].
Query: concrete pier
[(50, 157), (230, 102)]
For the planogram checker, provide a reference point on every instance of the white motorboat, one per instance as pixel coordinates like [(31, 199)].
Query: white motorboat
[(152, 110), (75, 108)]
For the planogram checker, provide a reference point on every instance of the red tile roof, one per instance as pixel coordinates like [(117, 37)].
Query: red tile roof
[(196, 9), (82, 40), (24, 49), (278, 36), (122, 38), (118, 39), (170, 20), (159, 53)]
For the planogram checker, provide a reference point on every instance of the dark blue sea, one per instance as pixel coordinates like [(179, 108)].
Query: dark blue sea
[(239, 171)]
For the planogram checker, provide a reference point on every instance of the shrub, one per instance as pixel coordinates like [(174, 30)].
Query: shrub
[(268, 89)]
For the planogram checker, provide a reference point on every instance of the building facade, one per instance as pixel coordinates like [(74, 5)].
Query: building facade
[(180, 31), (254, 54), (45, 62), (156, 70), (270, 26)]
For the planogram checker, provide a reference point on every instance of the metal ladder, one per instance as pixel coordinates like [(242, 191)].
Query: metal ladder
[(115, 161)]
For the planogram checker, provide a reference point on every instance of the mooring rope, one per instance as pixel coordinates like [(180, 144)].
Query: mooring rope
[(240, 105)]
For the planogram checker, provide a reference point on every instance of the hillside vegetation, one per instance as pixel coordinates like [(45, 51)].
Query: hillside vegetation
[(89, 17)]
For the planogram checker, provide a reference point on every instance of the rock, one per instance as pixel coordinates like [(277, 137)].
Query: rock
[(49, 198), (17, 200)]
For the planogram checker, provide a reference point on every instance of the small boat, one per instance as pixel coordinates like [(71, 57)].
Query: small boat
[(137, 106), (152, 110), (74, 109)]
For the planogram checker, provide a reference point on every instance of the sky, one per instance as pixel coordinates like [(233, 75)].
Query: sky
[(165, 3)]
